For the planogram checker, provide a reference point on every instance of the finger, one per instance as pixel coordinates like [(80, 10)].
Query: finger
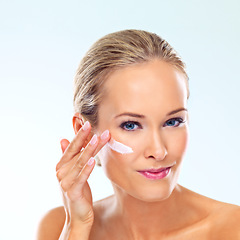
[(104, 138), (64, 144), (73, 173), (64, 170), (76, 145), (88, 152), (92, 148), (76, 191)]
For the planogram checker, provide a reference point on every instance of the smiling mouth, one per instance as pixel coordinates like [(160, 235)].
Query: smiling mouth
[(155, 174)]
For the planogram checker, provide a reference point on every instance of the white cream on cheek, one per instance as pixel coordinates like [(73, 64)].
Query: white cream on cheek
[(119, 147)]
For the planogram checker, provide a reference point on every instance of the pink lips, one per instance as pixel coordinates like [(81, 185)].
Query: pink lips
[(155, 174)]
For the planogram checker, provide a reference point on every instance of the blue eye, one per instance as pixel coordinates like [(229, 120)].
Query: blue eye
[(130, 125), (174, 122)]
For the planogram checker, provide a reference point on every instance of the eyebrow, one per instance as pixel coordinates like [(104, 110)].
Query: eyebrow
[(142, 116), (176, 111)]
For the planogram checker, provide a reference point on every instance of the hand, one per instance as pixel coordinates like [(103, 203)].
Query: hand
[(73, 170)]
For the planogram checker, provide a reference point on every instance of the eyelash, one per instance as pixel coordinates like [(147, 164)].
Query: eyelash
[(123, 125), (180, 121)]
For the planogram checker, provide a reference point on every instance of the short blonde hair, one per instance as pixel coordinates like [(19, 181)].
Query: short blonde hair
[(114, 51)]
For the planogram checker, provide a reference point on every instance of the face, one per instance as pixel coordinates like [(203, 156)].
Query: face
[(145, 108)]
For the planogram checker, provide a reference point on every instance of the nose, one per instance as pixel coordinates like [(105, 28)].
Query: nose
[(156, 147)]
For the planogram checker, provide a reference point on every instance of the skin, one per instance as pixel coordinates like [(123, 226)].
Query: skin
[(141, 208)]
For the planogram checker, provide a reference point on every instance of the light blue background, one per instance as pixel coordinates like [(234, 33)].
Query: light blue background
[(42, 43)]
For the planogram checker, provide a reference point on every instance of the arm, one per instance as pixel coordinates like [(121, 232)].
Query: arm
[(51, 224), (75, 220), (54, 226)]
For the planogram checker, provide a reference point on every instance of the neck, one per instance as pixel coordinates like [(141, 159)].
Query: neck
[(142, 219)]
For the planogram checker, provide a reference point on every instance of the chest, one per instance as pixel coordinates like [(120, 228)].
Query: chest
[(191, 233)]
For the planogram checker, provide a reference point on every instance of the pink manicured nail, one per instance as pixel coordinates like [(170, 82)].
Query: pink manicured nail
[(105, 134), (93, 140), (91, 161), (86, 126)]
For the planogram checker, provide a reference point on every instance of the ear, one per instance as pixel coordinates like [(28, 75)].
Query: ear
[(77, 122)]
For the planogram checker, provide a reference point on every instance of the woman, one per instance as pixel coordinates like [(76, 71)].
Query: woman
[(130, 101)]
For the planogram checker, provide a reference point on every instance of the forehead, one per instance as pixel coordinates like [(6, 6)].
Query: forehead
[(143, 87)]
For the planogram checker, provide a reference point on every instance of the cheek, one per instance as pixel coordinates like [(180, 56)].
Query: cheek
[(136, 141), (112, 162), (132, 143), (178, 142), (117, 166)]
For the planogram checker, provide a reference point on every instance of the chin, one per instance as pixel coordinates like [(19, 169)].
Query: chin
[(154, 194)]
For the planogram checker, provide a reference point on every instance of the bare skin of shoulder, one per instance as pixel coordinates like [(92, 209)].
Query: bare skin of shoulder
[(203, 218)]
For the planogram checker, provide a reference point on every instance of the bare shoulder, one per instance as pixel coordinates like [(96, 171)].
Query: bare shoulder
[(220, 220), (227, 222), (51, 225)]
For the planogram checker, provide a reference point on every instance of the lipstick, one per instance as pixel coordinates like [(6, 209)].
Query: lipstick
[(155, 174)]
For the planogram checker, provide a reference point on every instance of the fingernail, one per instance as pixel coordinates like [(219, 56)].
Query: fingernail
[(91, 161), (105, 134), (93, 140), (86, 126)]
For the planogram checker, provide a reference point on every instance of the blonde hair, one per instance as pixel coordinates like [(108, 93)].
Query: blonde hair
[(114, 51)]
